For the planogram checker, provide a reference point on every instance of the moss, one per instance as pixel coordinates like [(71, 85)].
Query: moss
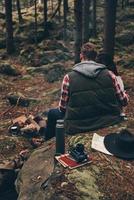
[(85, 182)]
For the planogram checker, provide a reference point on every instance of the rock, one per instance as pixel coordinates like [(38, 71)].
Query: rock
[(18, 100), (8, 69), (35, 172), (45, 69), (128, 16), (21, 100), (7, 190), (41, 35), (125, 38), (48, 45), (85, 182), (60, 35), (54, 56), (54, 75)]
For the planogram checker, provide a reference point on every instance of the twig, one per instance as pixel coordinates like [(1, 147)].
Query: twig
[(9, 109)]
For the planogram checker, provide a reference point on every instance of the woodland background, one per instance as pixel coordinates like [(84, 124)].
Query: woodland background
[(39, 43)]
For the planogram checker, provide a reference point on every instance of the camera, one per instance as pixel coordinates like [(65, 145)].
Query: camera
[(78, 153)]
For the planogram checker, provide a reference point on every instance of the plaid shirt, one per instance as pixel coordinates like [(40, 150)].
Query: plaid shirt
[(121, 95)]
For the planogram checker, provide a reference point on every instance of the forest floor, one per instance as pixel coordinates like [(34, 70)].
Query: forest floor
[(35, 85)]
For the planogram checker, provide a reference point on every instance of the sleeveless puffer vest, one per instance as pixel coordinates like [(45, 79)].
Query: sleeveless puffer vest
[(92, 99)]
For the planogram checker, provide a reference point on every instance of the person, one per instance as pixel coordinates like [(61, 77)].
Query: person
[(91, 97)]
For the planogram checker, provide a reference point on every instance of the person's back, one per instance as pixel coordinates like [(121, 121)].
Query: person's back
[(93, 101)]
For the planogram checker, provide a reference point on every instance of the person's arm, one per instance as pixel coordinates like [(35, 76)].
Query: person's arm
[(121, 94), (64, 93)]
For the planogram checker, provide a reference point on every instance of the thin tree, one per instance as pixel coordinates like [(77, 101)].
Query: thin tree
[(35, 17), (45, 13), (9, 27), (94, 18), (86, 18), (109, 26), (78, 28), (65, 8), (19, 11)]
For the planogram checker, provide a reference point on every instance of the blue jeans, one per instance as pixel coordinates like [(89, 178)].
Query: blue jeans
[(52, 116)]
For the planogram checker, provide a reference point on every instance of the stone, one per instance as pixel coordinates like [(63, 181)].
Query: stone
[(35, 172), (125, 38), (86, 184), (7, 69)]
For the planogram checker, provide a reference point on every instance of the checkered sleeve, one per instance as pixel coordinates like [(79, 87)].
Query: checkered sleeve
[(64, 93), (122, 96)]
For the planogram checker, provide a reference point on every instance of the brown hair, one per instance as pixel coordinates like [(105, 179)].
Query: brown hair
[(88, 51)]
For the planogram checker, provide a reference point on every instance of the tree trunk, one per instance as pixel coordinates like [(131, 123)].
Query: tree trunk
[(9, 27), (94, 18), (86, 17), (19, 11), (45, 13), (35, 15), (59, 10), (78, 28), (109, 26), (65, 8)]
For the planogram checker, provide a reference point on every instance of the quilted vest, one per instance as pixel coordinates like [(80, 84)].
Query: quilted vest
[(92, 103)]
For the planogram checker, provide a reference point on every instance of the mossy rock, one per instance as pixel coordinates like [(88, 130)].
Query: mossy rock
[(85, 182), (126, 38)]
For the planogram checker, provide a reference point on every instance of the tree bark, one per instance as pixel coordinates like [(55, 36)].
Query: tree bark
[(65, 8), (86, 18), (94, 18), (78, 28), (19, 11), (109, 26), (35, 17), (45, 13), (9, 27)]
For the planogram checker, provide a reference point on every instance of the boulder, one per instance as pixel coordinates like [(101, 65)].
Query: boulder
[(125, 38), (7, 69), (54, 74), (41, 35), (127, 17), (43, 181), (53, 45), (54, 56), (34, 172)]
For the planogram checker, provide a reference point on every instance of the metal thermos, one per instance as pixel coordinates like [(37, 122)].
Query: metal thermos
[(60, 137)]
